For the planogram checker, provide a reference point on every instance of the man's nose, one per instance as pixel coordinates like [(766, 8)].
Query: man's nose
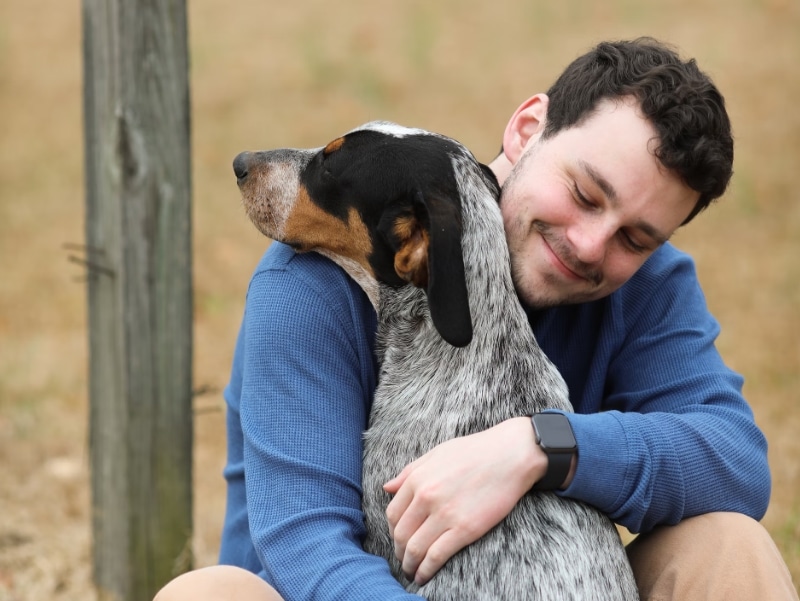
[(589, 242)]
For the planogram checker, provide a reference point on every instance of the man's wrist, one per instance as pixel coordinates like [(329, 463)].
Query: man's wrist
[(554, 437), (531, 462)]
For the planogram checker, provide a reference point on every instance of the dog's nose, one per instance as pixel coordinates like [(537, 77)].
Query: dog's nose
[(240, 164)]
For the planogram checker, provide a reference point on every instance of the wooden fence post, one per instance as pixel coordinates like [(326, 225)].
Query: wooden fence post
[(138, 229)]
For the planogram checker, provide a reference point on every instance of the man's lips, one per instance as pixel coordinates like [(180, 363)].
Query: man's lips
[(593, 277), (560, 265), (574, 272)]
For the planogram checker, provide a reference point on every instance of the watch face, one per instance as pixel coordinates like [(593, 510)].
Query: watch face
[(554, 432)]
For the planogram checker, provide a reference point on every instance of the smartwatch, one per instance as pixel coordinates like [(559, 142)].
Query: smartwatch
[(554, 436)]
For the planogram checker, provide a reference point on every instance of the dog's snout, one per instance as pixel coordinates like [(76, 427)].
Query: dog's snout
[(241, 165)]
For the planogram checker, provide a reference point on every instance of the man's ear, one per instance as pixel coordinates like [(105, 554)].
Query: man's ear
[(526, 124)]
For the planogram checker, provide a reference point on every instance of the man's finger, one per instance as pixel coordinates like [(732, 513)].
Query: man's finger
[(397, 508), (439, 552), (406, 526), (417, 547), (393, 485)]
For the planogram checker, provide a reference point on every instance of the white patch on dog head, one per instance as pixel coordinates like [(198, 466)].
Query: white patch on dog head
[(391, 129)]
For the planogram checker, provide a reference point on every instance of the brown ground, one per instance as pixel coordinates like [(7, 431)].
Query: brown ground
[(300, 75)]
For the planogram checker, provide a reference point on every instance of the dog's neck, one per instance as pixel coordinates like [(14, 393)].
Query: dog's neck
[(361, 276)]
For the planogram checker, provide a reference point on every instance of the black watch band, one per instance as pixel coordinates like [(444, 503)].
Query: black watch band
[(554, 436), (557, 470)]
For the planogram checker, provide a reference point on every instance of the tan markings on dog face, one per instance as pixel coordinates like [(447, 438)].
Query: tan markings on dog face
[(411, 261), (333, 146), (310, 228)]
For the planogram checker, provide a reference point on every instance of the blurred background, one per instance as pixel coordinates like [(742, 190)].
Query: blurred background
[(265, 75)]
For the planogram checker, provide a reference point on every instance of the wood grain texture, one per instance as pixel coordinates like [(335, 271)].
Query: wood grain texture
[(138, 221)]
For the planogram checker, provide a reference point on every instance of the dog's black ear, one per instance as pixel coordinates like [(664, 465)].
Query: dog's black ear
[(429, 256), (491, 181), (447, 284)]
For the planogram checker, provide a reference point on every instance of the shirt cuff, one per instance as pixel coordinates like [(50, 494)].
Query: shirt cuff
[(600, 475)]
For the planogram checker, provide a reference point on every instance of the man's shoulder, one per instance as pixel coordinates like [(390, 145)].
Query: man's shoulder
[(666, 262), (667, 271), (297, 281), (282, 266), (281, 257), (666, 289)]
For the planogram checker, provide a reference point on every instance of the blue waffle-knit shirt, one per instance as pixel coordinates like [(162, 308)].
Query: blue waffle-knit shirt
[(662, 428)]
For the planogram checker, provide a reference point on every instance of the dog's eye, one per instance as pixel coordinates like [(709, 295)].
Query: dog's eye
[(326, 166), (326, 171), (321, 163)]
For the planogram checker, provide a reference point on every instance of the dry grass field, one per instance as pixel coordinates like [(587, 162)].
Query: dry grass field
[(267, 75)]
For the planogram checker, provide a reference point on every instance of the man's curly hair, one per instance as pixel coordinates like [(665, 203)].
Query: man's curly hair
[(683, 104)]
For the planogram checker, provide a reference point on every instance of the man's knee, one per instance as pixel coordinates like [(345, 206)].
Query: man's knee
[(711, 556), (217, 583), (733, 533)]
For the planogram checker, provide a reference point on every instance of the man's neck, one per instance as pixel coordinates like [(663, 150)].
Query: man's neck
[(501, 167)]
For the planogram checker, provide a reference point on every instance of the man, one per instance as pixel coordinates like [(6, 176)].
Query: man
[(629, 144)]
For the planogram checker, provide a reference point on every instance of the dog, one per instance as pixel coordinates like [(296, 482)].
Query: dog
[(414, 218)]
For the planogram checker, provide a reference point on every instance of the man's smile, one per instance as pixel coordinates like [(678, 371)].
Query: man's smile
[(556, 253)]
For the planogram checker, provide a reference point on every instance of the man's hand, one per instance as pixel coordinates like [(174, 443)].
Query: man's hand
[(457, 492)]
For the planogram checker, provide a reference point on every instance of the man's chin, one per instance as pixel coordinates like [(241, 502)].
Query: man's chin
[(538, 301), (541, 291)]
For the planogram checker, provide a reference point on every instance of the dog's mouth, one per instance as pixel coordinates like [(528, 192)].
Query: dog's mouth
[(261, 215), (296, 245)]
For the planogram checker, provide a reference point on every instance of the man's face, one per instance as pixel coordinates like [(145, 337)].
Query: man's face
[(585, 208)]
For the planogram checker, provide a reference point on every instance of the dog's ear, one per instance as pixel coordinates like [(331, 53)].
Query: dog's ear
[(428, 255), (491, 181)]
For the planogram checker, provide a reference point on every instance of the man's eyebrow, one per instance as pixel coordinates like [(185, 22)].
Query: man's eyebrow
[(613, 198)]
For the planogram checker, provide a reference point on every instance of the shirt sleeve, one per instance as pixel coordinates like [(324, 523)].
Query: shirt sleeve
[(674, 437), (304, 402)]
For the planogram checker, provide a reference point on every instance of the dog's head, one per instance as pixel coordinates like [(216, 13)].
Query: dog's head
[(382, 199)]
